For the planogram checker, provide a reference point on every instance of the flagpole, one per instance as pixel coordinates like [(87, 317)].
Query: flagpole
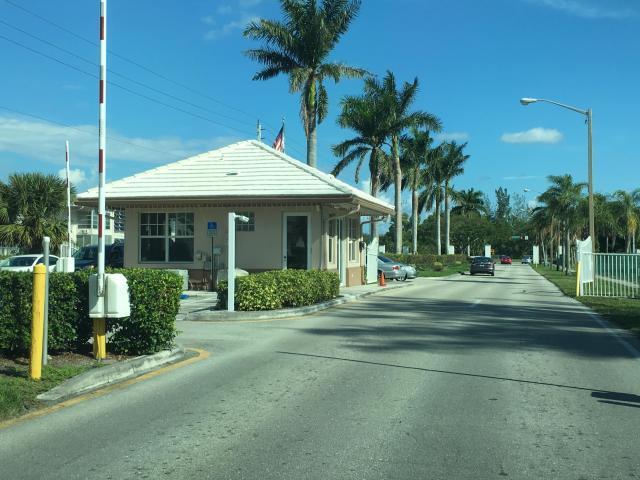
[(283, 142)]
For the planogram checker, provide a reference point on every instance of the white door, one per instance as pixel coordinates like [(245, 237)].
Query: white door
[(296, 241), (372, 261)]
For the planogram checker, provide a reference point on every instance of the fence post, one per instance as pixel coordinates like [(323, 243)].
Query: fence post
[(37, 322)]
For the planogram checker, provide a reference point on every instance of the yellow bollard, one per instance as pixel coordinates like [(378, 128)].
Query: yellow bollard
[(99, 339), (37, 322), (578, 279)]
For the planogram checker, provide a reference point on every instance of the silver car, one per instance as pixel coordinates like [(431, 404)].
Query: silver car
[(393, 270)]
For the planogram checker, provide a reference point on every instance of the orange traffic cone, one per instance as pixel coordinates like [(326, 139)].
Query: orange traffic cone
[(381, 281)]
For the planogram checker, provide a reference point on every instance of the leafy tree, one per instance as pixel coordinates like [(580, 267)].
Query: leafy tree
[(33, 207), (416, 149), (452, 166), (364, 114), (399, 118), (299, 46), (503, 207), (433, 194), (629, 214), (469, 203)]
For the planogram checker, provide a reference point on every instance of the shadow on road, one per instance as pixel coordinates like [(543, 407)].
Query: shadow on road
[(604, 396), (538, 324)]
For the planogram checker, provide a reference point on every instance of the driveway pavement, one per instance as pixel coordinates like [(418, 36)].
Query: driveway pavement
[(453, 378)]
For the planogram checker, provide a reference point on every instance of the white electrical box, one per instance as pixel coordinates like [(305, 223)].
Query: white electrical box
[(115, 302), (66, 265)]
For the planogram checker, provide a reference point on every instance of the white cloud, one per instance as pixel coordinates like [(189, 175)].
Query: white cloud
[(535, 135), (587, 9), (76, 176), (452, 136), (46, 142), (241, 15)]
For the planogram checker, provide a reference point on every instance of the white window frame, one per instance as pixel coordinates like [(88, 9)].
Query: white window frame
[(249, 226), (354, 237), (166, 236)]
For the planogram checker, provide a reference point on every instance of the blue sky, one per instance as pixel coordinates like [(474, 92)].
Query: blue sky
[(474, 60)]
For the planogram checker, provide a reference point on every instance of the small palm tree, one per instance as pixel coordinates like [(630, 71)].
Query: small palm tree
[(469, 203), (453, 165), (627, 206), (399, 118), (415, 153), (299, 46), (433, 194), (34, 208), (363, 115), (564, 201)]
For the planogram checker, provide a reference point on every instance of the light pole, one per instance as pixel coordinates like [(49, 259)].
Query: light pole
[(589, 114)]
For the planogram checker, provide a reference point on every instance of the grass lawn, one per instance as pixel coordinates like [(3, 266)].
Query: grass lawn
[(624, 312), (18, 392), (447, 270)]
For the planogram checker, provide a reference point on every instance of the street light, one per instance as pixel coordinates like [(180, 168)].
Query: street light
[(589, 114)]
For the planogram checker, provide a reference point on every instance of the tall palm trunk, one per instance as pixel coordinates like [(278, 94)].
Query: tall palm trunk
[(374, 192), (447, 219), (414, 214), (312, 149), (438, 234), (397, 173)]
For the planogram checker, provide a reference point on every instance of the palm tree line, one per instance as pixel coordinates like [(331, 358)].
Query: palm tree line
[(383, 117), (562, 218)]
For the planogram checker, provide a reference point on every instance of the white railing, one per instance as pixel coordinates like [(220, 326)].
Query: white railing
[(610, 275)]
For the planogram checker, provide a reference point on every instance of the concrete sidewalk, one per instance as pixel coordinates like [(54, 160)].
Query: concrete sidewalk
[(198, 311)]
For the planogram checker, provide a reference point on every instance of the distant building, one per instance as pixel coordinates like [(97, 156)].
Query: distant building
[(84, 226)]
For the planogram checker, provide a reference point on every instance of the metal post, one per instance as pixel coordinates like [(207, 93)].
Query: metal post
[(46, 241), (591, 207), (99, 323), (37, 316), (68, 200), (231, 262), (259, 130)]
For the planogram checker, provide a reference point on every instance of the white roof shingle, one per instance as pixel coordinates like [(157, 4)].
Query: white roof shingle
[(242, 170)]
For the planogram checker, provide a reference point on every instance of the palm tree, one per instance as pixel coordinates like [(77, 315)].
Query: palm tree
[(363, 115), (433, 194), (399, 118), (627, 206), (453, 165), (299, 47), (34, 208), (564, 201), (468, 203), (415, 153)]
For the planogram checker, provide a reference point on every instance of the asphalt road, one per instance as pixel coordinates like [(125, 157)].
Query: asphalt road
[(453, 378)]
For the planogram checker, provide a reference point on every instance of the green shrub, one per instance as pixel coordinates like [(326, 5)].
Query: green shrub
[(426, 261), (457, 263), (154, 297), (281, 289), (437, 266)]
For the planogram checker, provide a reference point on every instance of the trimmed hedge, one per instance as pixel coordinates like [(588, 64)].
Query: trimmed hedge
[(427, 261), (154, 296), (437, 266), (281, 289)]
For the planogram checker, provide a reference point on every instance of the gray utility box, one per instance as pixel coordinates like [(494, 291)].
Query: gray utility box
[(115, 302)]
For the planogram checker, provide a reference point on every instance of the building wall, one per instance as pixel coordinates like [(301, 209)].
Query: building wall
[(257, 250)]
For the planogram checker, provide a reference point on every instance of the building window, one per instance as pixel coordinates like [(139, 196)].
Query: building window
[(250, 226), (118, 220), (166, 237), (354, 236), (331, 251)]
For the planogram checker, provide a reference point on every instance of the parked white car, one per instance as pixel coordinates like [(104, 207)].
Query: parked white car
[(25, 263)]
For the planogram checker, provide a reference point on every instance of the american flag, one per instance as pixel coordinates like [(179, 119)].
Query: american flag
[(278, 143)]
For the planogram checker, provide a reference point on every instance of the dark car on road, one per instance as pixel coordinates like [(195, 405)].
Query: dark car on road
[(482, 265), (87, 256)]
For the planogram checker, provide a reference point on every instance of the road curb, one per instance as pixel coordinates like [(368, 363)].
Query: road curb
[(224, 316), (110, 374)]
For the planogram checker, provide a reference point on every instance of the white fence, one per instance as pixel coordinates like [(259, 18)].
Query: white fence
[(609, 275)]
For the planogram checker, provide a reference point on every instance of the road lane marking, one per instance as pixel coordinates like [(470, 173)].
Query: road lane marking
[(202, 355), (475, 303)]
